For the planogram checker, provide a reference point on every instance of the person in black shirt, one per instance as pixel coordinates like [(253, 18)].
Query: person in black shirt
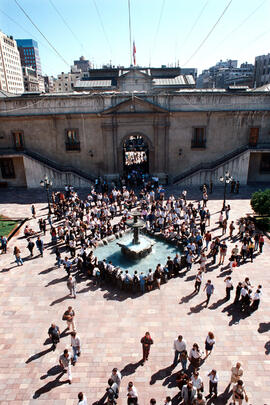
[(237, 293), (146, 342), (30, 246), (54, 334), (170, 266)]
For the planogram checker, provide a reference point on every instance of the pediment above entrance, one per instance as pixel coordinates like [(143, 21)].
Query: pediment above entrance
[(135, 105)]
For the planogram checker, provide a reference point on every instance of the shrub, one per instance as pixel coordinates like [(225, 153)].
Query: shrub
[(260, 202)]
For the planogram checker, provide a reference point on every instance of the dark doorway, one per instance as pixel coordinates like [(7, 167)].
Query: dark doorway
[(135, 156)]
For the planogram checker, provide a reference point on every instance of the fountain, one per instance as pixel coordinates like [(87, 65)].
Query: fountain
[(137, 247)]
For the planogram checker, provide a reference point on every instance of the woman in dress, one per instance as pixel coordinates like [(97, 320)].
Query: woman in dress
[(209, 343)]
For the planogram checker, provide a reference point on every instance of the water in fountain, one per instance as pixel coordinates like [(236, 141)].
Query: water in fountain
[(160, 251)]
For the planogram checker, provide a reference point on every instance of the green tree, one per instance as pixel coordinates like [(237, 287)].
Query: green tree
[(260, 202)]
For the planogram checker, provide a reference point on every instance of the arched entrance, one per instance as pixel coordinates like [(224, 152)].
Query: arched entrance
[(135, 155)]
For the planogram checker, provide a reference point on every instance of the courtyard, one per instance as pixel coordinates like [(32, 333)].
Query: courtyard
[(111, 323)]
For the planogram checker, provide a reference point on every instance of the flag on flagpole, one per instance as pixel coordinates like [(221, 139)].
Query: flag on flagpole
[(134, 53)]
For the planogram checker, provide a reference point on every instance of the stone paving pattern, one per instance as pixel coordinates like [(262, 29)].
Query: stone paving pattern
[(111, 324)]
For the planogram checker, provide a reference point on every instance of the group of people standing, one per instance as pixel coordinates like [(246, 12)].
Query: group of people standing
[(85, 223)]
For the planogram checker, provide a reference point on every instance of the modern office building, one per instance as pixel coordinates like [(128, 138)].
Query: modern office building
[(262, 70), (29, 54), (11, 79)]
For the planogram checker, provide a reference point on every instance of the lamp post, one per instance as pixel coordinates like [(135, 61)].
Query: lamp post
[(226, 179), (47, 183)]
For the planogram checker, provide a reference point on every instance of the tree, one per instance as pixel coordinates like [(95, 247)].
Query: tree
[(260, 202)]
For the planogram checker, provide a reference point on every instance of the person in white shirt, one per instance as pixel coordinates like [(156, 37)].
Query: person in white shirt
[(64, 361), (116, 376), (195, 356), (213, 382), (179, 346), (256, 300), (229, 287), (76, 346), (82, 399), (197, 381), (132, 394), (237, 373)]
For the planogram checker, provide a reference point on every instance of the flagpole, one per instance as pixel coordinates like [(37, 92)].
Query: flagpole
[(130, 42)]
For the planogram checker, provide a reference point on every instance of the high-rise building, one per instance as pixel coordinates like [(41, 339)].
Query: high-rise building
[(30, 79), (82, 64), (11, 78), (262, 70), (29, 54), (226, 73)]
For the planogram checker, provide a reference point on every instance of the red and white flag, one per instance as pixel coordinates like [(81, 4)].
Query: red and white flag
[(134, 53)]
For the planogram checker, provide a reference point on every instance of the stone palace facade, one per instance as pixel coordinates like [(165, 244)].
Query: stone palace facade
[(192, 136)]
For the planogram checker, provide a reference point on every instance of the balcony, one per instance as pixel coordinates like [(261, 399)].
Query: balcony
[(71, 147), (198, 145)]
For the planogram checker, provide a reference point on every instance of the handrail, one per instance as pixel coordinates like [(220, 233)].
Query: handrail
[(219, 161), (50, 163)]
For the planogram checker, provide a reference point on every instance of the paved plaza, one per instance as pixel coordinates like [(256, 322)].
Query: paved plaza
[(111, 323)]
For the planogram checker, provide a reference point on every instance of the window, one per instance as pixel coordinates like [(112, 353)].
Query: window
[(253, 137), (7, 168), (198, 138), (72, 140), (18, 140), (265, 162)]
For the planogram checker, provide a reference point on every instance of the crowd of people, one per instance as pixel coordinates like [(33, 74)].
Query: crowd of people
[(80, 225)]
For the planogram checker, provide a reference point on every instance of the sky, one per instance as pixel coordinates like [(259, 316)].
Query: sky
[(166, 32)]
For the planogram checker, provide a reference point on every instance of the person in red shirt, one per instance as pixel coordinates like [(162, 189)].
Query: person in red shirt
[(261, 243), (146, 342)]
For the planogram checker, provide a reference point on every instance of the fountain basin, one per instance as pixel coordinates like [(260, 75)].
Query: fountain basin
[(136, 250), (160, 251)]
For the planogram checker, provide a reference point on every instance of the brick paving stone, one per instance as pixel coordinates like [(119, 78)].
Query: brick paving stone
[(111, 324)]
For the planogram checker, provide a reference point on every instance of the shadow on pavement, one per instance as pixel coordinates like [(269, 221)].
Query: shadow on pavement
[(161, 374), (197, 308), (38, 355), (66, 297), (188, 297), (131, 368)]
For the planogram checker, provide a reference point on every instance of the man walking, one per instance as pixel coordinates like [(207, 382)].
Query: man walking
[(68, 316), (237, 373), (146, 342), (30, 246), (71, 285), (209, 291), (64, 361), (3, 241), (198, 281), (54, 334), (67, 265), (132, 394), (179, 346), (213, 382), (39, 244), (116, 376), (76, 346)]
